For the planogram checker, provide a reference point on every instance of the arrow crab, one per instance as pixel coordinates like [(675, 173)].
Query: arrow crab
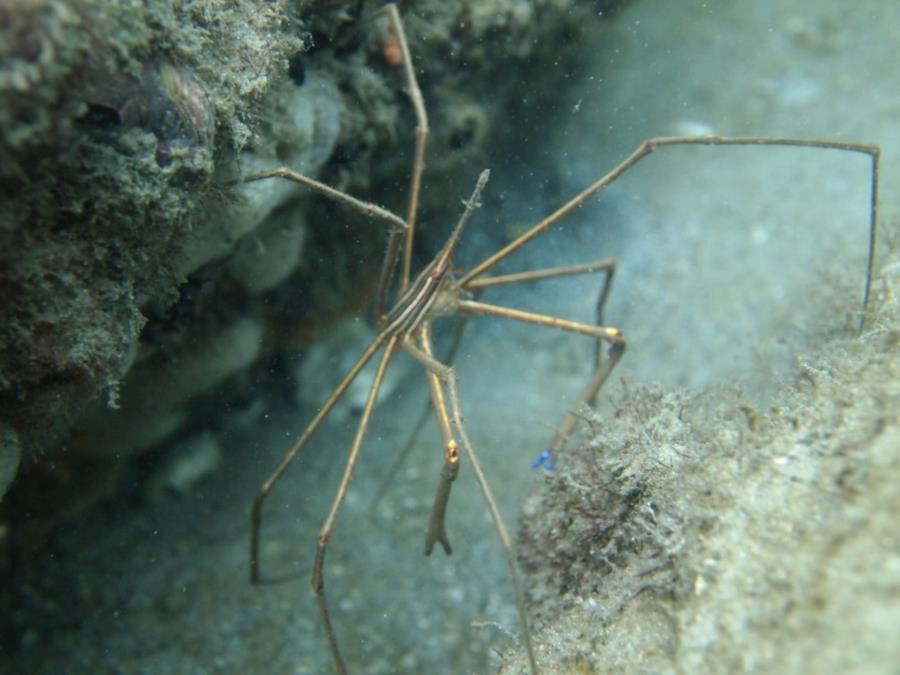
[(439, 290)]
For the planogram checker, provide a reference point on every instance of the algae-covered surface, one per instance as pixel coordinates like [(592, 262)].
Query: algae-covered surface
[(731, 264)]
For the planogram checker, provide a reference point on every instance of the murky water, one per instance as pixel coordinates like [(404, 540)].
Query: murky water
[(730, 261)]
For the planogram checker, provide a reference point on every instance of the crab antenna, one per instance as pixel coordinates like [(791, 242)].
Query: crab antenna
[(472, 204)]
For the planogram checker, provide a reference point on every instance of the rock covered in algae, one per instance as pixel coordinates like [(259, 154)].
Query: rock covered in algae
[(696, 534), (114, 119)]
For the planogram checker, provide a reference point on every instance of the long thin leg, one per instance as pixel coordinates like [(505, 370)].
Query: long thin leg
[(418, 103), (272, 480), (651, 144), (605, 265), (399, 226), (588, 396), (365, 208), (437, 532), (448, 377), (403, 455), (399, 229), (608, 333), (500, 526), (602, 369), (318, 576)]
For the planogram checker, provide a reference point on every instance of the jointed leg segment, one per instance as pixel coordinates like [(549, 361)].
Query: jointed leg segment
[(405, 237), (318, 577), (652, 144), (436, 372), (447, 377), (603, 367), (269, 484)]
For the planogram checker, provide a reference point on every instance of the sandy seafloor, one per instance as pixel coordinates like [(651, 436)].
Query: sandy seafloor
[(731, 262)]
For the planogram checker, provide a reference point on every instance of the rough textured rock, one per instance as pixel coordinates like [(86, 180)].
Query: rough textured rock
[(697, 534), (116, 120)]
